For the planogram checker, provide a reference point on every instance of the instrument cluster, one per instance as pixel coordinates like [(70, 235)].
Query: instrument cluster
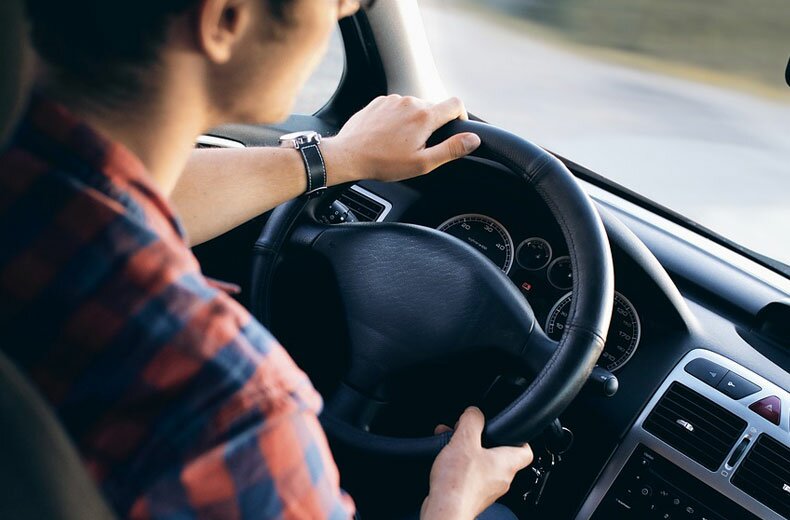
[(544, 275)]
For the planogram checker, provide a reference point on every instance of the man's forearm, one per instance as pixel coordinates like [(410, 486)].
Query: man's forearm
[(386, 140), (223, 188)]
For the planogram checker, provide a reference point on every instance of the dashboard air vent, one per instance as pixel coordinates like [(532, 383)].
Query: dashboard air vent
[(695, 426), (765, 474), (365, 208)]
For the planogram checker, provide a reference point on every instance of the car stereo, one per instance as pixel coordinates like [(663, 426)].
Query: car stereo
[(649, 486)]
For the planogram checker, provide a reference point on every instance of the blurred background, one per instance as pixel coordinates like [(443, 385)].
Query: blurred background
[(682, 101)]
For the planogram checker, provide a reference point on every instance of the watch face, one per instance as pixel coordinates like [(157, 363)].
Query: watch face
[(301, 137)]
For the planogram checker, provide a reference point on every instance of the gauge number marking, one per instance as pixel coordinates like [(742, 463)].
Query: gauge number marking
[(484, 234), (623, 337)]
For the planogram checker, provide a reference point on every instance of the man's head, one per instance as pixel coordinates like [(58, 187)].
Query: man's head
[(246, 58)]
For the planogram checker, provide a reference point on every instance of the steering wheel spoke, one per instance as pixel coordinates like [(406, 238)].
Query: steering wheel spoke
[(354, 407), (538, 350)]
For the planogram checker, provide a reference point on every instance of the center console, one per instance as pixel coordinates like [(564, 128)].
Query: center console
[(713, 444)]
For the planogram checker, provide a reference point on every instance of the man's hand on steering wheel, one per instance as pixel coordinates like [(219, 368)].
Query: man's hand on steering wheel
[(387, 140), (467, 478)]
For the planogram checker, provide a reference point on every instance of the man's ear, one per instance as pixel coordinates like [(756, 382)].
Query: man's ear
[(220, 26)]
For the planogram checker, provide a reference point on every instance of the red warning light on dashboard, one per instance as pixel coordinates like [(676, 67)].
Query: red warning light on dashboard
[(526, 286)]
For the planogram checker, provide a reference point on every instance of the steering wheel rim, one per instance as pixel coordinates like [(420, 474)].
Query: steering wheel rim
[(567, 363)]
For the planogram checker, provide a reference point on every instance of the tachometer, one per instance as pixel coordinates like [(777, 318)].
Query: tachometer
[(484, 234), (624, 330)]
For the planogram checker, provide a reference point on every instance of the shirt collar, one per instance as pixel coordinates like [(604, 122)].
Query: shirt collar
[(114, 160)]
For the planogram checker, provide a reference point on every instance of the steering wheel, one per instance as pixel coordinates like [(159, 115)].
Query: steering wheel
[(412, 295)]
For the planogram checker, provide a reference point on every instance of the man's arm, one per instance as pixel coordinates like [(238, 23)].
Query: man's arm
[(249, 445), (221, 189)]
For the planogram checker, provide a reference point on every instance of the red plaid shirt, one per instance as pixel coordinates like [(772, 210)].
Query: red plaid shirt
[(180, 403)]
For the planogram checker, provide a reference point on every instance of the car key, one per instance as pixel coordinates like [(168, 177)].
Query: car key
[(556, 440), (541, 470)]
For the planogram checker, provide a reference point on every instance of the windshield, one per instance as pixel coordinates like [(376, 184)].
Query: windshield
[(682, 101)]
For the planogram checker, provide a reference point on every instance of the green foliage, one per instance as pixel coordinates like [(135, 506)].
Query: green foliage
[(750, 38)]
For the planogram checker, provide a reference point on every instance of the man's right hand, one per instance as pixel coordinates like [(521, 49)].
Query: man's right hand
[(467, 478)]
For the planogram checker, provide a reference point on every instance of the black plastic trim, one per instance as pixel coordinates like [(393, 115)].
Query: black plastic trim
[(363, 77)]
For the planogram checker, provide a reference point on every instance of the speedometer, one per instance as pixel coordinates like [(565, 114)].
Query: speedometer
[(624, 330), (484, 234)]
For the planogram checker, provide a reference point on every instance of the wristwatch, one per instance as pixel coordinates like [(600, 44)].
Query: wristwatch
[(307, 145)]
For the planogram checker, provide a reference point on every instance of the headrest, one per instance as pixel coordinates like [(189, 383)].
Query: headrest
[(15, 64), (42, 475)]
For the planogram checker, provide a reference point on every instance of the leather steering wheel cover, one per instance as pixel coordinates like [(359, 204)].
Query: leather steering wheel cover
[(567, 370), (565, 373), (266, 251)]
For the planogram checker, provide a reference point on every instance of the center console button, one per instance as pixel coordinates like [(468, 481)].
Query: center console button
[(737, 387), (706, 371), (769, 408)]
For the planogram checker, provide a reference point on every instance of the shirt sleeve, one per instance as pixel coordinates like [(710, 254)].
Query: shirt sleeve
[(252, 446), (248, 444), (180, 404)]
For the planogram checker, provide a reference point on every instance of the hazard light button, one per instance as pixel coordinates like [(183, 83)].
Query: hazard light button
[(769, 408)]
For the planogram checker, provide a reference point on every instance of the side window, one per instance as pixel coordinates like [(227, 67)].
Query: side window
[(325, 79)]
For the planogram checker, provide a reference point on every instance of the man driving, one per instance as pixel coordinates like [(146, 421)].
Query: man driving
[(180, 404)]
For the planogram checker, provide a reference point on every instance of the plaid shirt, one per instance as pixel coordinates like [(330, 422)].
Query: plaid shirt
[(180, 403)]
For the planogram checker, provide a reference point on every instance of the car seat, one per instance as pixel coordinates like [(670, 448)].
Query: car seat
[(41, 474)]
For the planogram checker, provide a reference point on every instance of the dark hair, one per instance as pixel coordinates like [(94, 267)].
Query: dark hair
[(103, 46)]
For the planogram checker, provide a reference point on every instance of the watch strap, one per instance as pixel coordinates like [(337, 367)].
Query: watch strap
[(316, 168)]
